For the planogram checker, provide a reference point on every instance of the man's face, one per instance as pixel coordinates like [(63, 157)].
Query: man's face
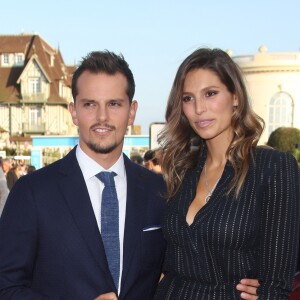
[(6, 165), (102, 113)]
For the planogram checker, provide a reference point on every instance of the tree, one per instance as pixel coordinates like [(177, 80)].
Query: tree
[(286, 139)]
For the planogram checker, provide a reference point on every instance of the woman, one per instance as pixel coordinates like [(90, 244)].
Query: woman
[(233, 208), (151, 160)]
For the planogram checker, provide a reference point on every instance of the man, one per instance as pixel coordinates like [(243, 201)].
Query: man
[(6, 165), (52, 230)]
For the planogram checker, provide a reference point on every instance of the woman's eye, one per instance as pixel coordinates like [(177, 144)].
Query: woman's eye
[(210, 93), (186, 98)]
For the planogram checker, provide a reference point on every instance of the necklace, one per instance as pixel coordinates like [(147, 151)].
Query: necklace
[(209, 192)]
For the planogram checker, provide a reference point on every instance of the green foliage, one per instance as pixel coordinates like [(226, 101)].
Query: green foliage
[(50, 155), (296, 153), (285, 139), (10, 151)]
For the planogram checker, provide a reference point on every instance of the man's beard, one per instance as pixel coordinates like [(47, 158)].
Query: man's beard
[(99, 149)]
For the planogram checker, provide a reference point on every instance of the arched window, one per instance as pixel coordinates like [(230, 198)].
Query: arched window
[(281, 111)]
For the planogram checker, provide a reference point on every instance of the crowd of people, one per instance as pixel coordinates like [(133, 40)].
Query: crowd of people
[(209, 215), (150, 160), (10, 172)]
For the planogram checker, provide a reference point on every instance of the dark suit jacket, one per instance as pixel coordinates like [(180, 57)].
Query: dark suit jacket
[(50, 245)]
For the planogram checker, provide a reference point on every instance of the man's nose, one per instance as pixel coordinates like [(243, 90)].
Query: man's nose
[(102, 114)]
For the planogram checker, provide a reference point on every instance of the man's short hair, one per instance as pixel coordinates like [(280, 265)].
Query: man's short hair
[(104, 62)]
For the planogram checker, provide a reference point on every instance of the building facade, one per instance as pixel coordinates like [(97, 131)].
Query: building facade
[(35, 88), (273, 82)]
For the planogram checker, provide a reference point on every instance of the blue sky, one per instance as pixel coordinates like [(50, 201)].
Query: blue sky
[(155, 36)]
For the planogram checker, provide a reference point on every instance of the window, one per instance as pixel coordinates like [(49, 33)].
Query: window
[(5, 59), (34, 85), (280, 111), (35, 115), (19, 59)]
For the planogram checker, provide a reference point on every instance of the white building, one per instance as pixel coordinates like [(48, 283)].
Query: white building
[(273, 81)]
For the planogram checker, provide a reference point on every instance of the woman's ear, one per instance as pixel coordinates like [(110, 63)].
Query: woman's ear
[(235, 101)]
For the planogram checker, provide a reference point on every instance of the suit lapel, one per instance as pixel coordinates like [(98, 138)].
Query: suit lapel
[(76, 195), (135, 208)]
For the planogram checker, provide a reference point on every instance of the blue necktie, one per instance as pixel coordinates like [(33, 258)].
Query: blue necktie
[(110, 223)]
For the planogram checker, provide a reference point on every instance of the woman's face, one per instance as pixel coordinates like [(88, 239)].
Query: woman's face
[(208, 105)]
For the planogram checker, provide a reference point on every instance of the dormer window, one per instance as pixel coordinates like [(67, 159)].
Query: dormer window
[(12, 59), (19, 59), (34, 85), (5, 59)]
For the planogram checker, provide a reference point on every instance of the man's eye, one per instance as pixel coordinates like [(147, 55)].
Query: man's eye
[(88, 104), (186, 98), (114, 103)]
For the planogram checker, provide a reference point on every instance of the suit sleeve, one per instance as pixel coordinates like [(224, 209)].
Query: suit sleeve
[(279, 228), (18, 247)]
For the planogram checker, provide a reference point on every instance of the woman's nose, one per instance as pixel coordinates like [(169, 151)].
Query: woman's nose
[(200, 106)]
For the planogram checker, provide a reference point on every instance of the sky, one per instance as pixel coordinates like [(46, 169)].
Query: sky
[(155, 35)]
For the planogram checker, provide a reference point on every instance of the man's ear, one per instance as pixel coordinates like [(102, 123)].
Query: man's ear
[(132, 112), (72, 111)]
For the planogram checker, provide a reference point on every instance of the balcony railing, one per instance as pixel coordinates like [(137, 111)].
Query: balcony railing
[(34, 98), (34, 128)]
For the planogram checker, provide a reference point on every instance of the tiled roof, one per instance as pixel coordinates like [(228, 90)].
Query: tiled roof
[(30, 45), (70, 71), (9, 90)]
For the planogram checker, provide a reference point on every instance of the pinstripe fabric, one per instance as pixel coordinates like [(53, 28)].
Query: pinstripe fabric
[(254, 236)]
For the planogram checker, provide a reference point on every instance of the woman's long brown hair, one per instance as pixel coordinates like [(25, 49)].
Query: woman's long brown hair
[(179, 141)]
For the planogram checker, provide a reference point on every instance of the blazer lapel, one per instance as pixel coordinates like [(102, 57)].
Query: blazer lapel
[(135, 208), (76, 195)]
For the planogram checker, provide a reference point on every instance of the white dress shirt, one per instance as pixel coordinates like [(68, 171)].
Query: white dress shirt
[(90, 168)]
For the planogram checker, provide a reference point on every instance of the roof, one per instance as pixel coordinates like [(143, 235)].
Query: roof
[(33, 47), (265, 62)]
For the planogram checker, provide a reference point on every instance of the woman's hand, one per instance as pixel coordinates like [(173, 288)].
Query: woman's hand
[(248, 287)]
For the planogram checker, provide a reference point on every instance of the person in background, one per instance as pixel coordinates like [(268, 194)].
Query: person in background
[(13, 175), (152, 160), (233, 207), (3, 187), (23, 170), (137, 159), (31, 169), (6, 165)]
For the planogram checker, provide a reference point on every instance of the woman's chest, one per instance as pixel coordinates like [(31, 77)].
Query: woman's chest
[(233, 223)]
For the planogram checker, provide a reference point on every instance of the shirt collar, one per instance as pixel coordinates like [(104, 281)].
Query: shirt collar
[(90, 167)]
